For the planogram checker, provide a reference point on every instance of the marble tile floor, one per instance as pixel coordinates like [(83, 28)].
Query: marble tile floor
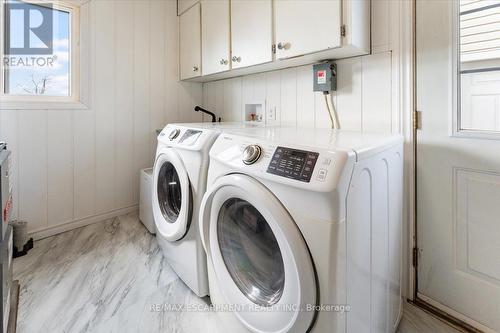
[(107, 276)]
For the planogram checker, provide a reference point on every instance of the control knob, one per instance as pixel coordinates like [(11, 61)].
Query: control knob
[(251, 154), (174, 134)]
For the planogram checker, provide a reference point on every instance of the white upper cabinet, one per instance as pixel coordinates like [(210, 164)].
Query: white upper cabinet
[(251, 32), (238, 36), (215, 36), (183, 5), (304, 27), (190, 43)]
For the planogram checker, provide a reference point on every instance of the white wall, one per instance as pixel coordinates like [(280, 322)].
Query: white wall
[(79, 166), (365, 97)]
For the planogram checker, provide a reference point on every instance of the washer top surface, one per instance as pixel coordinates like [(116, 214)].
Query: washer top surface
[(199, 136), (223, 125), (363, 144)]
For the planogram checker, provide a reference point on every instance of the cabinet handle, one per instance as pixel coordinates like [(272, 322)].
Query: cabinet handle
[(236, 59), (195, 68), (223, 62)]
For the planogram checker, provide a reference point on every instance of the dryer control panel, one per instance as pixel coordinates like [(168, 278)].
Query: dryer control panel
[(293, 163)]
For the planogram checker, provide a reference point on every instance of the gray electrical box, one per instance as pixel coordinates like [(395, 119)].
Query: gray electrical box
[(325, 76)]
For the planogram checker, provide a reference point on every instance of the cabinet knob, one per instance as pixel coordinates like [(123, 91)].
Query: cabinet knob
[(223, 62), (195, 68), (236, 59), (283, 46)]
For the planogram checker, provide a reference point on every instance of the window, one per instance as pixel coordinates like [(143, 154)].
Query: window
[(40, 48), (479, 66)]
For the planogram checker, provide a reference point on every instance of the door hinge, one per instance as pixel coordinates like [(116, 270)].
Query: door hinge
[(417, 120), (342, 30), (273, 48), (415, 256)]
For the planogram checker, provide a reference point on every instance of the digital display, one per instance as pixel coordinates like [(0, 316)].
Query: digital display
[(293, 163), (190, 137)]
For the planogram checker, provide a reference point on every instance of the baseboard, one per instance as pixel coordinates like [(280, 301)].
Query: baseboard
[(51, 231)]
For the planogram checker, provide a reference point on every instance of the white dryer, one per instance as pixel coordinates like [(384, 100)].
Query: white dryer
[(179, 182), (302, 230)]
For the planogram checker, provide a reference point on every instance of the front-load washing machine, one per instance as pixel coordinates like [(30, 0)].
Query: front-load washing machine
[(302, 230), (179, 182)]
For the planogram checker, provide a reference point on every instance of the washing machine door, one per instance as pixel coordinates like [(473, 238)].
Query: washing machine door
[(259, 256), (172, 198)]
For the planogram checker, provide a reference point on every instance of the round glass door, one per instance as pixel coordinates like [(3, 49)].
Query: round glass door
[(259, 257), (250, 252), (172, 196), (169, 192)]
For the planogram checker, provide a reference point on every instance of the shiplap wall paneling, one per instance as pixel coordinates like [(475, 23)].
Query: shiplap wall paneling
[(124, 105), (60, 186), (305, 97), (84, 125), (288, 96), (32, 167), (377, 93), (157, 53), (363, 98), (171, 63), (273, 98), (141, 68), (104, 74), (349, 94)]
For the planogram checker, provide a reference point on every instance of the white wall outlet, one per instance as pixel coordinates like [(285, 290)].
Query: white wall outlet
[(271, 114)]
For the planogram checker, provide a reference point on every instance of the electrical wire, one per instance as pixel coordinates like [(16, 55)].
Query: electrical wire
[(332, 122), (332, 112)]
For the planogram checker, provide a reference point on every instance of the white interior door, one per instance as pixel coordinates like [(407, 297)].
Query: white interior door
[(251, 32), (458, 154)]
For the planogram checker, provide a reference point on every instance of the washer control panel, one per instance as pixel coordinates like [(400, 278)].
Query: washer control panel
[(190, 137), (293, 163)]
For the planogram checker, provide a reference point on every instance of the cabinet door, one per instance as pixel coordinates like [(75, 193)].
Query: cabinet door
[(215, 36), (304, 27), (251, 32), (190, 43), (183, 5)]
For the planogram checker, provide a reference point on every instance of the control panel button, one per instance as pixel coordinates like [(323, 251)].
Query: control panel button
[(322, 175), (251, 154), (175, 133), (293, 163)]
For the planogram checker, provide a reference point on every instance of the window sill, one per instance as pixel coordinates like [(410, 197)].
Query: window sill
[(42, 105)]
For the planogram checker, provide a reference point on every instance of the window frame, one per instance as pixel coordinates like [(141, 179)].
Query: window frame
[(49, 102), (456, 129)]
